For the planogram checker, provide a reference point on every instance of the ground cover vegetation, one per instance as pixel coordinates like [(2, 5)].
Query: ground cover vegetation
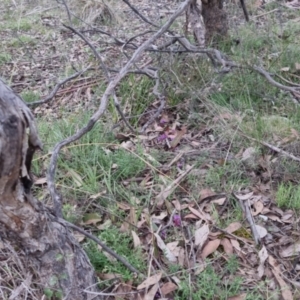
[(199, 189)]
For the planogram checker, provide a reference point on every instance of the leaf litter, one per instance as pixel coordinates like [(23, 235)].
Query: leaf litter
[(181, 228)]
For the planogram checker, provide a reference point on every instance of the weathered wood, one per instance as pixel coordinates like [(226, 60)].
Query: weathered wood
[(215, 20), (53, 255)]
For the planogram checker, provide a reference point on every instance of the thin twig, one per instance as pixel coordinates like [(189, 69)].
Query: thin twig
[(274, 148), (104, 247), (246, 208), (68, 11), (267, 75), (57, 87), (102, 108), (106, 72), (96, 53), (139, 14), (233, 236), (160, 97)]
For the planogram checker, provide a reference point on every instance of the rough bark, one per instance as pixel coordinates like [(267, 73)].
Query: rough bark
[(196, 21), (215, 20), (52, 254)]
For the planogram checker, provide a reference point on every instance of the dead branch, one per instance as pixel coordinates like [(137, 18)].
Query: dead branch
[(246, 14), (106, 72), (268, 76), (193, 15), (96, 53), (100, 243), (67, 9), (246, 209), (57, 87), (161, 98), (102, 108), (139, 14), (274, 148)]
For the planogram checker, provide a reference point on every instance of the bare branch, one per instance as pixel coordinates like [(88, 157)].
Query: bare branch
[(104, 247), (246, 209), (106, 72), (159, 96), (57, 87), (96, 53), (274, 148), (267, 75), (139, 14), (102, 108)]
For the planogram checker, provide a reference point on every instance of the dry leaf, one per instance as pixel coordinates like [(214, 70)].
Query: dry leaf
[(132, 216), (191, 216), (91, 218), (227, 246), (95, 196), (40, 181), (201, 235), (105, 225), (178, 137), (205, 193), (244, 197), (177, 205), (219, 201), (284, 288), (161, 216), (167, 288), (249, 153), (261, 231), (150, 281), (76, 177), (78, 236), (210, 248), (274, 218), (239, 297), (233, 227), (136, 239), (162, 196), (123, 206), (200, 214), (291, 250), (258, 205), (285, 69), (152, 292), (122, 288), (235, 244), (108, 276), (167, 252), (181, 257), (263, 255)]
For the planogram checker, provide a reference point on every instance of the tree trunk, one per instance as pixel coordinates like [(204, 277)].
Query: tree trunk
[(215, 20), (52, 255)]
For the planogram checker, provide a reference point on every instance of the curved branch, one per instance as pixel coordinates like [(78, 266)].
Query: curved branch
[(102, 108)]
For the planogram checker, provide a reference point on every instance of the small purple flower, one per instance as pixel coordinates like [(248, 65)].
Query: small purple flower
[(162, 137), (163, 121), (177, 220), (163, 234)]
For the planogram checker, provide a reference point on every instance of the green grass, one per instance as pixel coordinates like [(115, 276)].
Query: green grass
[(122, 244), (208, 284), (30, 96), (288, 196), (5, 58), (94, 174)]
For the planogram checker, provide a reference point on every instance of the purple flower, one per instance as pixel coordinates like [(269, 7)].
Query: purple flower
[(163, 234), (177, 220), (162, 137)]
